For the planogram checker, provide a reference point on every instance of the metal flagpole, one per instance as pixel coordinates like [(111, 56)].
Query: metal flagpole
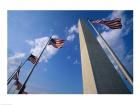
[(24, 84), (123, 69), (20, 66)]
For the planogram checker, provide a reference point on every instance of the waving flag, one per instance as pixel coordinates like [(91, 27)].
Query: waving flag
[(57, 43), (16, 76), (113, 24), (17, 84), (32, 58)]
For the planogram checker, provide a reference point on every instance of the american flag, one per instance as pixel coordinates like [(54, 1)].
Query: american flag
[(32, 58), (113, 24), (57, 43), (16, 76), (17, 84)]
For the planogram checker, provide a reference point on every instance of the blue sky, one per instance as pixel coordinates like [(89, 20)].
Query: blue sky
[(59, 70)]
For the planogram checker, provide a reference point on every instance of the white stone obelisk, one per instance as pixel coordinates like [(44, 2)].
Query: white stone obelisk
[(98, 73)]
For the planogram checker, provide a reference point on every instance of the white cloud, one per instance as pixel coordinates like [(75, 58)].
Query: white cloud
[(37, 46), (114, 39), (116, 14), (76, 62), (128, 26), (17, 55), (30, 42), (14, 61), (70, 37), (72, 31), (128, 60), (68, 57)]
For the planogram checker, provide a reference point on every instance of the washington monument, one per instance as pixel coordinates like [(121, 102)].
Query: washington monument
[(98, 73)]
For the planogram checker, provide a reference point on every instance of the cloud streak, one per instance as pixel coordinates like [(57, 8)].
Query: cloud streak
[(14, 60), (76, 62), (72, 31)]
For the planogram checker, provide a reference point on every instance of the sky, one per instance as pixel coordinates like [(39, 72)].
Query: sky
[(59, 70)]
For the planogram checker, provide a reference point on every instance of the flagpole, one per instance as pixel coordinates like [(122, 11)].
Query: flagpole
[(24, 84), (123, 69), (20, 66)]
